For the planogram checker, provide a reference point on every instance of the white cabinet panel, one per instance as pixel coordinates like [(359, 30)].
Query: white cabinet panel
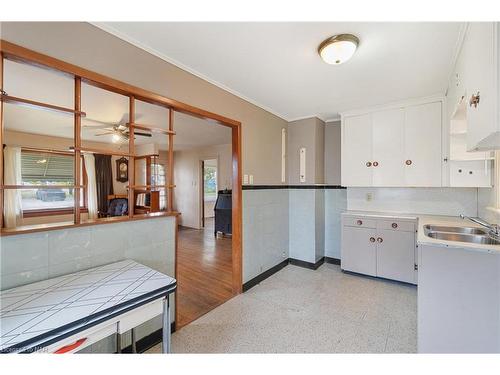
[(396, 255), (480, 54), (422, 160), (387, 135), (358, 252), (356, 151), (394, 147)]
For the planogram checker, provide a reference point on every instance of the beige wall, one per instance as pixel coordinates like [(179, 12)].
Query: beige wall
[(187, 171), (332, 153), (87, 46), (308, 133)]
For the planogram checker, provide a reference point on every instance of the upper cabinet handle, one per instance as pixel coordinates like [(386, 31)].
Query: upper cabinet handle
[(359, 222), (375, 163), (408, 162), (368, 163), (474, 100)]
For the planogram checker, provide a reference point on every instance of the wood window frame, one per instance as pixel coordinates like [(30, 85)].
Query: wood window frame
[(18, 53)]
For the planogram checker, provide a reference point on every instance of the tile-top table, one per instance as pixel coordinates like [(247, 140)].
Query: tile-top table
[(67, 313)]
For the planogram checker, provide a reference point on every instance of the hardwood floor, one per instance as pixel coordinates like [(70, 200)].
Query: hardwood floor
[(204, 272)]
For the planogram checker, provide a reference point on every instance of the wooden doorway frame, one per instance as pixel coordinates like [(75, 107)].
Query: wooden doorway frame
[(18, 53)]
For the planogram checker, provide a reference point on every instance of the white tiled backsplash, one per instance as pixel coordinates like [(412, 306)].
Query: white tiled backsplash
[(431, 201)]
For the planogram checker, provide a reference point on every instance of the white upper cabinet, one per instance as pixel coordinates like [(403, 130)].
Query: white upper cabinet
[(395, 147), (388, 147), (356, 160), (480, 54), (471, 128), (423, 145)]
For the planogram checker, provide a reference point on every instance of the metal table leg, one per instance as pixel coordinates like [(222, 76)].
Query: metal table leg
[(132, 338), (118, 339), (166, 325)]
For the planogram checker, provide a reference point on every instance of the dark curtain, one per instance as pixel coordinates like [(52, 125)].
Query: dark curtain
[(104, 180)]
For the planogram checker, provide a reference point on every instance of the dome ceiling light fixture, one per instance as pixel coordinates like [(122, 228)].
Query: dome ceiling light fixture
[(338, 48)]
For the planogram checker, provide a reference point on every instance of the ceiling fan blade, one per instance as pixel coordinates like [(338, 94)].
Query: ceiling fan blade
[(143, 134), (107, 133)]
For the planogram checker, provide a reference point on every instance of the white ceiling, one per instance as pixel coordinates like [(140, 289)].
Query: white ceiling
[(37, 84), (276, 65)]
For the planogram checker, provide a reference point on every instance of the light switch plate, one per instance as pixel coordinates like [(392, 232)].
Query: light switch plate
[(245, 179), (251, 179)]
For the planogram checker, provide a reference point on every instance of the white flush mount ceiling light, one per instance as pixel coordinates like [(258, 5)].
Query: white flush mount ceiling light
[(338, 49)]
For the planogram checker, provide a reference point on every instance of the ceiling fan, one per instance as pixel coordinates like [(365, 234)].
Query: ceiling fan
[(119, 131)]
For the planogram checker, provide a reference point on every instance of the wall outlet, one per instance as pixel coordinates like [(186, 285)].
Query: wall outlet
[(283, 254), (369, 197), (251, 179), (245, 179)]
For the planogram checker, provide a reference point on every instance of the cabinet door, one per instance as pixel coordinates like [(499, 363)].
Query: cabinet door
[(356, 151), (423, 131), (480, 77), (396, 255), (358, 250), (387, 138)]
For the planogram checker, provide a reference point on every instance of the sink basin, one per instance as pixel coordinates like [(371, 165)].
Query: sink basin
[(460, 237), (448, 229)]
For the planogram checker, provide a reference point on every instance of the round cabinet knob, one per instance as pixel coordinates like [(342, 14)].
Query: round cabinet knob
[(372, 239), (380, 240), (359, 222), (368, 163), (408, 162), (394, 225), (375, 163)]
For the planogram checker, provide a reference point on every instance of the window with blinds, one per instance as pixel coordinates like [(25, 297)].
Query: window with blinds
[(46, 169)]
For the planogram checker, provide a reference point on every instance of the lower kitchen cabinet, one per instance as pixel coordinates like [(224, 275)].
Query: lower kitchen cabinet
[(396, 255), (382, 247), (361, 256)]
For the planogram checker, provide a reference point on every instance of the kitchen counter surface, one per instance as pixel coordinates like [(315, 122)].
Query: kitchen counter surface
[(435, 220)]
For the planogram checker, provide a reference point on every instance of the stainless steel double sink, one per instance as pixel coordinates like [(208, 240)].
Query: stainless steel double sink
[(459, 234)]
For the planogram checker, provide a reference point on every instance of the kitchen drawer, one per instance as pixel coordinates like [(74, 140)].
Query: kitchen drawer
[(140, 315), (403, 226), (360, 221)]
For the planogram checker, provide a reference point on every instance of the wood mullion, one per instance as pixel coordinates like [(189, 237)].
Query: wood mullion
[(78, 141), (39, 105), (148, 172), (102, 152), (131, 162), (170, 164), (1, 142)]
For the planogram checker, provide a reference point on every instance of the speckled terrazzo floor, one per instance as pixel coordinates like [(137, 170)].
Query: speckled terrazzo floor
[(303, 311)]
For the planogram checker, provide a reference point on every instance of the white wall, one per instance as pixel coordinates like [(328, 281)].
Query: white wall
[(187, 174), (432, 201)]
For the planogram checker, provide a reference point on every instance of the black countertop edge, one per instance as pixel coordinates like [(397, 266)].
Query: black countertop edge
[(37, 342), (274, 187)]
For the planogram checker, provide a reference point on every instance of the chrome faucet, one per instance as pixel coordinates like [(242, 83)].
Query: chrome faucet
[(493, 228)]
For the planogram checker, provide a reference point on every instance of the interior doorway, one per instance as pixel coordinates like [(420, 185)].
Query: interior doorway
[(204, 178), (208, 191)]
